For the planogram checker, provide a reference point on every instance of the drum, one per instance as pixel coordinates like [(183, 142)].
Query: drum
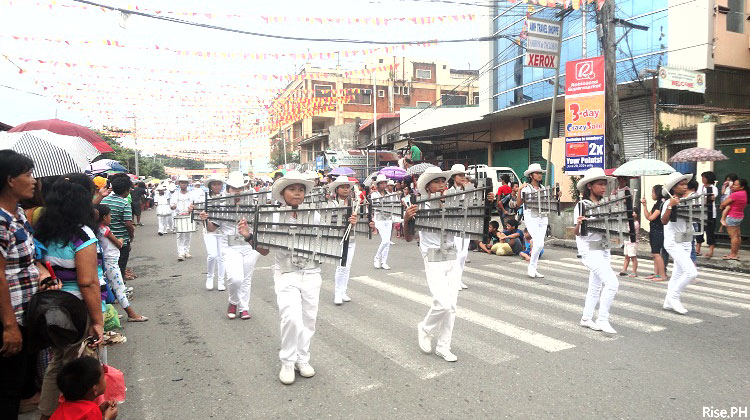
[(183, 224)]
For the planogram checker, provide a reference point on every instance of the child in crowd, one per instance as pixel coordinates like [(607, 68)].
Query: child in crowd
[(490, 238), (511, 239), (526, 254), (630, 251), (111, 255), (81, 381)]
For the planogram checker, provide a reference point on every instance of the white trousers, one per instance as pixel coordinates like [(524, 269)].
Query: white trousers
[(215, 245), (537, 227), (462, 252), (297, 295), (240, 264), (183, 242), (341, 278), (603, 284), (384, 228), (164, 223), (684, 271), (442, 279)]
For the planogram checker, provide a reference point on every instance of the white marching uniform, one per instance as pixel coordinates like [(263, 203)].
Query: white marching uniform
[(384, 225), (297, 283), (183, 202), (443, 278), (341, 278), (678, 238), (603, 283), (239, 260), (215, 242), (537, 227), (462, 248), (163, 212)]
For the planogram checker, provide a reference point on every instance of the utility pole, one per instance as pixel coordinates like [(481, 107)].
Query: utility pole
[(613, 143), (584, 15), (135, 140), (375, 118), (553, 113)]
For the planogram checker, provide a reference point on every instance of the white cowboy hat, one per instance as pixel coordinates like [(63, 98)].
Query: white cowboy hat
[(182, 178), (340, 180), (391, 182), (161, 187), (428, 175), (591, 175), (213, 178), (291, 178), (534, 167), (674, 179), (458, 169), (379, 179), (235, 180)]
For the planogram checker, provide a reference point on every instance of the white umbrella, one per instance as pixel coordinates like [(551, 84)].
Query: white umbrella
[(53, 154), (419, 168), (370, 178), (643, 167)]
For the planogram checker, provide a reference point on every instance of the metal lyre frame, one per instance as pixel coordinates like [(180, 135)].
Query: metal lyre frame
[(693, 210), (389, 204), (612, 215), (364, 212), (231, 207), (316, 195), (543, 201), (462, 213)]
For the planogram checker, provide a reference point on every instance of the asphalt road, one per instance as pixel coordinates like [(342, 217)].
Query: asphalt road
[(521, 352)]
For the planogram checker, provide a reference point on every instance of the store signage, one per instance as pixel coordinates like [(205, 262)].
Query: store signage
[(678, 79), (542, 43), (547, 61), (585, 119)]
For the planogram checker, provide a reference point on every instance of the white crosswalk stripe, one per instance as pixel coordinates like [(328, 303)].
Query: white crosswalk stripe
[(703, 276), (525, 335), (581, 295), (724, 274), (538, 316)]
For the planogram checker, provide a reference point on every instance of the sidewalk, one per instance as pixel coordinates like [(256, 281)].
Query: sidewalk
[(644, 252)]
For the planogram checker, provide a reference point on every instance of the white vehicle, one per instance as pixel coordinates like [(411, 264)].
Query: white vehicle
[(493, 174)]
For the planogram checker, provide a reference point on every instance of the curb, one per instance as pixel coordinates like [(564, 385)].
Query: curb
[(724, 265)]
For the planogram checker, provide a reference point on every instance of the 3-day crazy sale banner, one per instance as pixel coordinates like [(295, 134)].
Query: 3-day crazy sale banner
[(584, 115)]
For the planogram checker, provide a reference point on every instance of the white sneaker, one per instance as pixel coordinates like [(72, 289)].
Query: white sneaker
[(675, 305), (538, 275), (463, 286), (220, 287), (305, 370), (376, 264), (605, 327), (446, 355), (180, 257), (187, 255), (337, 299), (589, 323), (425, 342), (286, 374), (209, 284), (346, 298), (392, 243), (531, 272), (385, 266)]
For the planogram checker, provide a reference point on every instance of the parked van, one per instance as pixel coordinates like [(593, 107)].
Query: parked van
[(493, 174)]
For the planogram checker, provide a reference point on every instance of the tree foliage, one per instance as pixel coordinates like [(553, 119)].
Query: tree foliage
[(277, 154)]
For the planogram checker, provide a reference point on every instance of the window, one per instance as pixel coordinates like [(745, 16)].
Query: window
[(322, 91), (380, 61), (445, 66), (423, 104), (424, 74), (381, 93), (405, 90), (397, 90), (447, 99), (363, 98), (476, 99), (736, 16)]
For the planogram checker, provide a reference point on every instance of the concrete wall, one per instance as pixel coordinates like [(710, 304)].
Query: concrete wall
[(437, 117), (678, 120), (343, 137), (691, 32), (732, 48)]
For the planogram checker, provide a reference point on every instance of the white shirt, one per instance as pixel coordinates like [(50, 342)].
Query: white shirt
[(429, 240), (671, 229), (583, 241), (342, 203), (109, 249), (711, 189), (162, 205), (379, 215), (528, 189), (182, 201), (198, 194)]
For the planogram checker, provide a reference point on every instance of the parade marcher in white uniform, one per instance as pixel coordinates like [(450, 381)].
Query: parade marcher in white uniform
[(534, 222), (297, 284), (678, 236), (215, 241), (441, 270), (163, 209), (340, 191), (603, 283), (182, 204), (460, 183), (240, 257), (171, 190), (383, 222)]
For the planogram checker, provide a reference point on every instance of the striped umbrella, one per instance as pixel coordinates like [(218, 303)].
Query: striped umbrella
[(698, 154), (419, 168), (53, 154)]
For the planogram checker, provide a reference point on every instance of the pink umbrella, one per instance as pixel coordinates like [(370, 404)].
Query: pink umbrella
[(698, 154), (66, 129)]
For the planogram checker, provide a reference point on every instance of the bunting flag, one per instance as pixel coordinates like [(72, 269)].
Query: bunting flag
[(230, 54), (564, 4)]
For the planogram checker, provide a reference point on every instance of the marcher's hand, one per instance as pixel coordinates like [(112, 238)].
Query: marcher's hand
[(580, 219), (173, 207), (522, 186), (203, 215), (643, 201), (674, 201), (491, 196), (372, 225), (410, 212), (12, 341), (190, 208), (96, 331), (353, 219), (243, 229)]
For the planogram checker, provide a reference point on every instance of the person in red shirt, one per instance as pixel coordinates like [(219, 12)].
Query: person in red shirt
[(502, 192), (81, 381)]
